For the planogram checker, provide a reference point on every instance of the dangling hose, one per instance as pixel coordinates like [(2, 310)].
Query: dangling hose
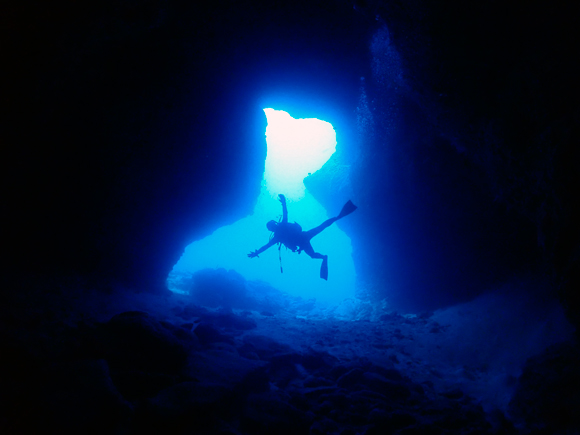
[(272, 234), (280, 257)]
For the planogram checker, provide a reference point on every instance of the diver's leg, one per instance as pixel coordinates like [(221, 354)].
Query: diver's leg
[(307, 247), (315, 231)]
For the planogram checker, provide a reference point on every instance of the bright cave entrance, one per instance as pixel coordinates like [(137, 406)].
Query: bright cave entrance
[(295, 149)]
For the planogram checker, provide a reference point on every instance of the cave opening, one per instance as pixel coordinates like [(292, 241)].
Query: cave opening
[(296, 149)]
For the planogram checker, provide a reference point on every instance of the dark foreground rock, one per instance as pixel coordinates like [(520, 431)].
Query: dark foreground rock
[(138, 341), (547, 398), (223, 373)]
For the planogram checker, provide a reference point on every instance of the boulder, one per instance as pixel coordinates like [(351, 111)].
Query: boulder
[(80, 397), (185, 407), (271, 413), (263, 346), (547, 396), (208, 334), (137, 341)]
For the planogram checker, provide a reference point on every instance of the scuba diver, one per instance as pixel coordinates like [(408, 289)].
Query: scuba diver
[(292, 236)]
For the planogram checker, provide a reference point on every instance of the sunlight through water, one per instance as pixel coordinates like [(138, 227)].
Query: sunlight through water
[(296, 147)]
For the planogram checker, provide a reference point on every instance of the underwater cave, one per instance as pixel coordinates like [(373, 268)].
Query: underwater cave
[(147, 147), (297, 148)]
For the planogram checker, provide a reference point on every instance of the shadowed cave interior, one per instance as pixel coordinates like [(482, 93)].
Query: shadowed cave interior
[(149, 142)]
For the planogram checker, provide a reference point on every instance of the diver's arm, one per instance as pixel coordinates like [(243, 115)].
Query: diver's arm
[(284, 208), (263, 248)]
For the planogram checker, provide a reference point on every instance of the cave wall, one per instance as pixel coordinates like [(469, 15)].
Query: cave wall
[(134, 129), (466, 137), (485, 116), (137, 128)]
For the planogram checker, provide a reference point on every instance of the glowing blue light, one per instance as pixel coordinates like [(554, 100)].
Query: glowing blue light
[(296, 148)]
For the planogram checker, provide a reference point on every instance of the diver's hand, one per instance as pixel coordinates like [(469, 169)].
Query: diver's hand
[(282, 198), (253, 254)]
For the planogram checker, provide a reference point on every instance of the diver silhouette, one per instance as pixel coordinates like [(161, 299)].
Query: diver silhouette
[(292, 236)]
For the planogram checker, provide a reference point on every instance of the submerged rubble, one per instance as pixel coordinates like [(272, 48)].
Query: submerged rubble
[(168, 365)]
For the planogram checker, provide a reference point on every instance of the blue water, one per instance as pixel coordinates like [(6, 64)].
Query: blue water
[(296, 148)]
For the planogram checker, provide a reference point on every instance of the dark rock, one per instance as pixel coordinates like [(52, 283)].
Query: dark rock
[(264, 347), (183, 332), (416, 388), (454, 422), (172, 409), (208, 334), (378, 415), (355, 418), (324, 408), (135, 385), (340, 400), (224, 428), (221, 364), (436, 329), (428, 384), (351, 379), (337, 415), (401, 419), (474, 413), (392, 423), (393, 390), (248, 351), (339, 370), (422, 429), (390, 374), (283, 369), (80, 397), (314, 360), (547, 396), (499, 423), (391, 317), (284, 359), (299, 401), (397, 334), (313, 382), (189, 326), (382, 346), (269, 413), (137, 341), (317, 392), (256, 381), (453, 394), (324, 426), (232, 321), (181, 398), (192, 311), (368, 395)]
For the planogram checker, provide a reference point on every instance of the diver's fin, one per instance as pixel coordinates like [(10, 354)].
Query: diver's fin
[(324, 268), (347, 209)]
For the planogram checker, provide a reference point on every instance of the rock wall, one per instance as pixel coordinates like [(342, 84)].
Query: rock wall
[(466, 132), (133, 130)]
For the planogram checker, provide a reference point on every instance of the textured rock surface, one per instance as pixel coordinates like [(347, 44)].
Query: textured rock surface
[(547, 397), (131, 130), (153, 370), (465, 124)]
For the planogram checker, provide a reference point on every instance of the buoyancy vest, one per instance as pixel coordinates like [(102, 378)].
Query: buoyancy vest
[(289, 235)]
